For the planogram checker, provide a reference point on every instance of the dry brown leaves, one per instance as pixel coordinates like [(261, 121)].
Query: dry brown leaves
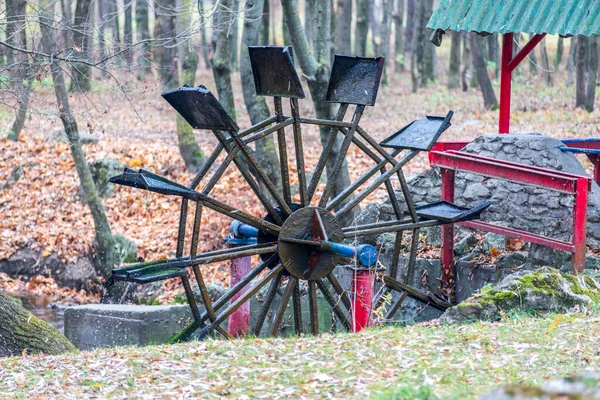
[(43, 210)]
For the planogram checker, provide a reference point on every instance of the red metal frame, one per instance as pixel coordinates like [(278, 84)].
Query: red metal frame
[(451, 161), (587, 144), (509, 63)]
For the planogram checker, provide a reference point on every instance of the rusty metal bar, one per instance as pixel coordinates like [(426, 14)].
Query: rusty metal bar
[(358, 198), (283, 157), (341, 156), (297, 304), (285, 299), (302, 188), (267, 301), (261, 173), (313, 307), (314, 182), (241, 300), (334, 304)]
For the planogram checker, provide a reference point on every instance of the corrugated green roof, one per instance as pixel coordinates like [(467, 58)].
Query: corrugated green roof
[(563, 17)]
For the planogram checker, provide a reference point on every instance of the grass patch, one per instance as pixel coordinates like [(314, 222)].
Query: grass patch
[(416, 362)]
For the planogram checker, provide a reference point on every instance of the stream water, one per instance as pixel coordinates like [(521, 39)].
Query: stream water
[(43, 308)]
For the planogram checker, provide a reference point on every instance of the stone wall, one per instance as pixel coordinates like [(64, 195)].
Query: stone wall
[(515, 205)]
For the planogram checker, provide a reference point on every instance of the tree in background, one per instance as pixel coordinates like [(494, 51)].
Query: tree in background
[(105, 252), (316, 69), (221, 64), (398, 17), (454, 68), (343, 27), (489, 97), (257, 107), (82, 38), (190, 151), (362, 27), (143, 36), (165, 21)]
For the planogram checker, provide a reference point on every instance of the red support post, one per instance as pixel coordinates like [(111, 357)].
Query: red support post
[(362, 301), (239, 321), (505, 83), (508, 65), (579, 225), (448, 275)]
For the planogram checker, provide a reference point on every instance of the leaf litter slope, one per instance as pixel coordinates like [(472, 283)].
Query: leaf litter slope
[(450, 361), (43, 209)]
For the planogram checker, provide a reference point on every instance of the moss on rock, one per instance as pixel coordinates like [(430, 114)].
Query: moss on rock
[(21, 331), (545, 289)]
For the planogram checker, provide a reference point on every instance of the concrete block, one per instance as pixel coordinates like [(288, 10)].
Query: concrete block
[(107, 325)]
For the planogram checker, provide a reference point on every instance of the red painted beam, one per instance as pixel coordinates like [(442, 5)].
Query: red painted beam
[(519, 234), (525, 50), (507, 67), (505, 170)]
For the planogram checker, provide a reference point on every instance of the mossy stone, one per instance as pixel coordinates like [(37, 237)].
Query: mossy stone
[(545, 289)]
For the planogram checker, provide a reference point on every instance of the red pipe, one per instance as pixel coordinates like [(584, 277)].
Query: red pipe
[(362, 288), (239, 321)]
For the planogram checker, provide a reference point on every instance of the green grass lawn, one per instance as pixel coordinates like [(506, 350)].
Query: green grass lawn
[(448, 362)]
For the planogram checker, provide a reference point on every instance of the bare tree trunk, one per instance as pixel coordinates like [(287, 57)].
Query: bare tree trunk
[(82, 33), (532, 59), (128, 4), (398, 16), (263, 37), (545, 63), (66, 21), (220, 63), (592, 73), (571, 61), (409, 30), (494, 53), (489, 97), (165, 22), (454, 70), (374, 21), (20, 70), (581, 66), (560, 49), (256, 105), (234, 32), (464, 75), (20, 332), (385, 34), (362, 27), (143, 33), (11, 21), (424, 56), (309, 18), (190, 151), (203, 41), (105, 256), (316, 66), (343, 27)]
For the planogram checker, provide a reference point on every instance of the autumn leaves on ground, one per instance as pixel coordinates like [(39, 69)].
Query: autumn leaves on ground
[(43, 209)]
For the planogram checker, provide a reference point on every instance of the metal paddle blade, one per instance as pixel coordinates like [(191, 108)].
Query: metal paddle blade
[(419, 135), (155, 183), (354, 80), (448, 213), (274, 72), (200, 108)]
